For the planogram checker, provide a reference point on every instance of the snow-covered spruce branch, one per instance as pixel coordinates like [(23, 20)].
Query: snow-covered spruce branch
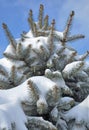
[(46, 79), (78, 117), (40, 123), (31, 98), (9, 77), (33, 48)]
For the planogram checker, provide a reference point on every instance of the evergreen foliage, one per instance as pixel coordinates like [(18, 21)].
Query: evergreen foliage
[(47, 81)]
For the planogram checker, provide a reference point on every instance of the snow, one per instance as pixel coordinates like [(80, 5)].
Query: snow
[(59, 34), (29, 34), (5, 62), (14, 94), (43, 83), (71, 68), (42, 106), (54, 114), (10, 49), (67, 100), (56, 77), (58, 46), (82, 76), (80, 113), (68, 52), (12, 113), (10, 101), (86, 66), (21, 92), (35, 42), (66, 103)]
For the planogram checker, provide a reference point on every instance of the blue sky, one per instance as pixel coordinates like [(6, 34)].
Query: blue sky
[(15, 13)]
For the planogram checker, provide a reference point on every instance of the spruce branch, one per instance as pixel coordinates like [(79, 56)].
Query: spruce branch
[(31, 22), (10, 77), (56, 93), (45, 27), (82, 92), (59, 37), (36, 52), (71, 58), (14, 77), (75, 37), (39, 55), (55, 61), (3, 70), (13, 73), (84, 56), (72, 68), (40, 123), (67, 29), (23, 54), (34, 89), (26, 52), (52, 26), (43, 33), (4, 83), (10, 56), (40, 22), (19, 51), (44, 53), (26, 70), (35, 30), (60, 50), (21, 67), (30, 60), (23, 36), (9, 36), (50, 37), (20, 79)]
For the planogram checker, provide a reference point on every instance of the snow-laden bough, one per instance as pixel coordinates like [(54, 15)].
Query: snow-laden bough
[(45, 82)]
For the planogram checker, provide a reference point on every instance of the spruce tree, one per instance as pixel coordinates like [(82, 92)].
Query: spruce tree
[(45, 82)]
